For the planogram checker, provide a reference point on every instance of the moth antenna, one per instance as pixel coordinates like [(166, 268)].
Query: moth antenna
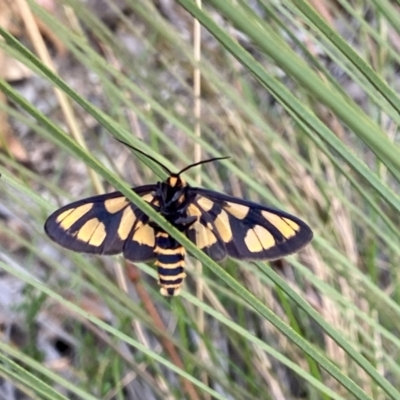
[(201, 162), (163, 166), (146, 155)]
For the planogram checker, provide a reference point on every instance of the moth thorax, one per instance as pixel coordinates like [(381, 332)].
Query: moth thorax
[(173, 193)]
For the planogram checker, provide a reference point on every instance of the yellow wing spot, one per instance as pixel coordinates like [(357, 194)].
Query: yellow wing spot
[(69, 217), (144, 235), (193, 210), (148, 197), (252, 242), (237, 210), (64, 214), (205, 204), (127, 220), (223, 226), (162, 234), (282, 224), (92, 232), (265, 237), (115, 205), (258, 239), (204, 236), (292, 224)]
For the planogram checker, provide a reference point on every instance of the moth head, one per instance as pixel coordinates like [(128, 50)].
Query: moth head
[(173, 190), (175, 181)]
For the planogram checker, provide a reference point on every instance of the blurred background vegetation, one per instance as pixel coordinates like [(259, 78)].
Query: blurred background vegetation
[(303, 96)]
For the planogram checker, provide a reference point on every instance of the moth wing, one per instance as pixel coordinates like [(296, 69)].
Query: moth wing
[(249, 230), (101, 224), (204, 234), (139, 245)]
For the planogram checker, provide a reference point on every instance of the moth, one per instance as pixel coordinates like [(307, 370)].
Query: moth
[(219, 224)]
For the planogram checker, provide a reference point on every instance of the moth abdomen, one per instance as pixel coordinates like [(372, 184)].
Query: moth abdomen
[(170, 262)]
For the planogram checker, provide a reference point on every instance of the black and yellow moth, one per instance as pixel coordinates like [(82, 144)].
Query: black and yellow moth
[(219, 224)]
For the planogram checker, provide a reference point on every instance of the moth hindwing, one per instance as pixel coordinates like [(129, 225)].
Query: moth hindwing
[(218, 224)]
